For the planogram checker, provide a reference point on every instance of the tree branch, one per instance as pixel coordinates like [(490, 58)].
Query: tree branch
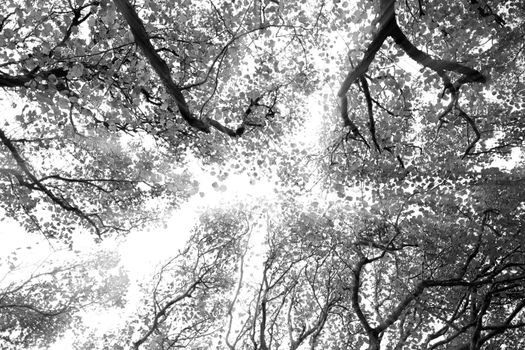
[(158, 64), (437, 65), (389, 27), (472, 124), (162, 312), (37, 184), (371, 121), (348, 122), (142, 40), (386, 20)]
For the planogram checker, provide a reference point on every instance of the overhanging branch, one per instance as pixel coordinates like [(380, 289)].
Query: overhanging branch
[(390, 27), (160, 67)]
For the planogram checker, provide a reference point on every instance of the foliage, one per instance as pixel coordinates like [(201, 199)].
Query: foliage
[(38, 303), (89, 99), (323, 278), (419, 244), (405, 123), (185, 302)]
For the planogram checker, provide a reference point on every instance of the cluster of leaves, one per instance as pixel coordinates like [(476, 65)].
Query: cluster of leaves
[(185, 302), (121, 93), (39, 303), (324, 278), (431, 88)]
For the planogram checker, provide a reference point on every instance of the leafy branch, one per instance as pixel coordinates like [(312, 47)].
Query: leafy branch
[(161, 68), (388, 27), (36, 184)]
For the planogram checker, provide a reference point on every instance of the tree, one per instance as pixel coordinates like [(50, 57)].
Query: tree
[(477, 23), (39, 303), (327, 279), (90, 99), (420, 154), (185, 303)]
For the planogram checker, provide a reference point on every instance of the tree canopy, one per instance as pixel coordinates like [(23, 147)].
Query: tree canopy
[(389, 132)]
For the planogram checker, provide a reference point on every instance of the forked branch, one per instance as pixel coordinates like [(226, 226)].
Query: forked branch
[(390, 28)]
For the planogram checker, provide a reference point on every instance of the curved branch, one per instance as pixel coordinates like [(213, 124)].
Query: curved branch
[(158, 64), (142, 40), (439, 66), (348, 122), (389, 27), (386, 20), (474, 127), (355, 296)]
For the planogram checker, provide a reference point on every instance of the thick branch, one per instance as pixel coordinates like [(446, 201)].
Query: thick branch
[(10, 81), (355, 297), (389, 27), (387, 19), (371, 121), (344, 112), (224, 129), (161, 68), (437, 65), (158, 64)]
